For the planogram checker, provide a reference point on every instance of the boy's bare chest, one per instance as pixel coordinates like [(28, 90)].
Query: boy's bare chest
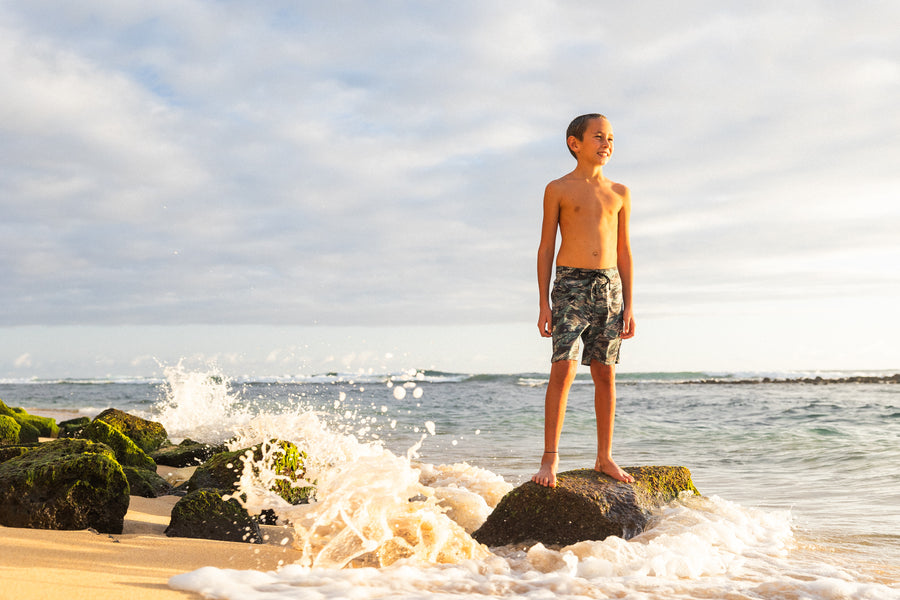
[(591, 205)]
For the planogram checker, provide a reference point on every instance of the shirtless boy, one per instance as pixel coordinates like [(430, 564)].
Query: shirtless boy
[(592, 290)]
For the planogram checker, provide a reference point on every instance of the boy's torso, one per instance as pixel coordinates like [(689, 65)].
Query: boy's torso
[(588, 222)]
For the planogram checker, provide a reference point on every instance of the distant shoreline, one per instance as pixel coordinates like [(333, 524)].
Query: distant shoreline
[(895, 378)]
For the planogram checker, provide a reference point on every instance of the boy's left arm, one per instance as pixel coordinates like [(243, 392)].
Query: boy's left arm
[(625, 264)]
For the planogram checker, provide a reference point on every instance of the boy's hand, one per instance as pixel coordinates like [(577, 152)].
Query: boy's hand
[(627, 324), (545, 322)]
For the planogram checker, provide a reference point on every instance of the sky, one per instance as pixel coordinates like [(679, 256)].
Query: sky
[(298, 187)]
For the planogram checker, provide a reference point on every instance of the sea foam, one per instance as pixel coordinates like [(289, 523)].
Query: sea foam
[(386, 525)]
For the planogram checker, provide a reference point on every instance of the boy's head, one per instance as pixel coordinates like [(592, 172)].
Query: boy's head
[(578, 126)]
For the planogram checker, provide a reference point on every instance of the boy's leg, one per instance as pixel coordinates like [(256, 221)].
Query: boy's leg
[(604, 377), (562, 373)]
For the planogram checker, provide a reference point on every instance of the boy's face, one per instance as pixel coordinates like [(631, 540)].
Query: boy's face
[(596, 145)]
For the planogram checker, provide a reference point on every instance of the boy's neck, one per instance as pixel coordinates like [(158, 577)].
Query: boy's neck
[(589, 171)]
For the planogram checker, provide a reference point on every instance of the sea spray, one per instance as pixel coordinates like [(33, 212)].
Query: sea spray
[(199, 405), (394, 518), (369, 506)]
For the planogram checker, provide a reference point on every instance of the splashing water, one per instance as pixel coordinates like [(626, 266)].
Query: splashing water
[(404, 526), (199, 405), (370, 506)]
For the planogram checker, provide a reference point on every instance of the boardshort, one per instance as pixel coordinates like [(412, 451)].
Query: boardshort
[(587, 305)]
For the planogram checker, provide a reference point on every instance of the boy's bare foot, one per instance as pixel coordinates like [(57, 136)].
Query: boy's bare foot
[(609, 467), (546, 476)]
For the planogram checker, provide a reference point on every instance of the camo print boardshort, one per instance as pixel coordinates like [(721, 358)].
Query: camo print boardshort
[(587, 304)]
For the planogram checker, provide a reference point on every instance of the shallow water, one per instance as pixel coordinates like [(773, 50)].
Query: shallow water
[(800, 483)]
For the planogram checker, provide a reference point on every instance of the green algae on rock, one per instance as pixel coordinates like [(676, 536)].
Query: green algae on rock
[(205, 514), (223, 471), (9, 430), (31, 426), (186, 454), (64, 484), (145, 483), (584, 505), (148, 435), (127, 452)]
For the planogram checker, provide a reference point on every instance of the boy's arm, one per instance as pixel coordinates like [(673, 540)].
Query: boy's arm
[(625, 264), (546, 250)]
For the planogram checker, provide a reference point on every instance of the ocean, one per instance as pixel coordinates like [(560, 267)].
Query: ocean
[(800, 480)]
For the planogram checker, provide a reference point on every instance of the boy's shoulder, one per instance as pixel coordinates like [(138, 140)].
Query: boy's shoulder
[(571, 182)]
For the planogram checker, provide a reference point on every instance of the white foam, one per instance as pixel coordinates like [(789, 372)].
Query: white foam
[(404, 528)]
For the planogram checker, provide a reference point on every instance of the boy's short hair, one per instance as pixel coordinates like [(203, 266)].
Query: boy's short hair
[(578, 126)]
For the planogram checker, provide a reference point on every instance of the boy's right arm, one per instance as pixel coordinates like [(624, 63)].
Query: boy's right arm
[(546, 250)]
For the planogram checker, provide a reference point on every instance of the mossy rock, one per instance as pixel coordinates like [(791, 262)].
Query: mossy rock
[(223, 471), (9, 430), (148, 435), (64, 484), (204, 514), (127, 452), (32, 426), (186, 454), (584, 505), (11, 452), (147, 484), (73, 427)]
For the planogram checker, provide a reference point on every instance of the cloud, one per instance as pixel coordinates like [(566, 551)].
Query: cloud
[(197, 162)]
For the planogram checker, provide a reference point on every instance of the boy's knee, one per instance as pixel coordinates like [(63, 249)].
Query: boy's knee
[(602, 373), (563, 371)]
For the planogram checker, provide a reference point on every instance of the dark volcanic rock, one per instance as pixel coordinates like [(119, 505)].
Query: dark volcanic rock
[(31, 427), (147, 484), (127, 452), (223, 471), (73, 427), (204, 514), (64, 484), (148, 435), (584, 505), (186, 454)]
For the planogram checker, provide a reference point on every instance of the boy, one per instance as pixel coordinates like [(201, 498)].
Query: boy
[(592, 291)]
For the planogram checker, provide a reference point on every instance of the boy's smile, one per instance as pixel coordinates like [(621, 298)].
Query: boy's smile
[(596, 142)]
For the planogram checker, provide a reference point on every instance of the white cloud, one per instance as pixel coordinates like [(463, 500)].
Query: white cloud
[(192, 162)]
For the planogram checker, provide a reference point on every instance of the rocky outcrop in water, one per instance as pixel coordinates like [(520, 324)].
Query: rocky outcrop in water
[(818, 380), (64, 484), (584, 505)]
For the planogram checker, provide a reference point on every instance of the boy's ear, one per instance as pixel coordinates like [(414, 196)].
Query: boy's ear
[(572, 140)]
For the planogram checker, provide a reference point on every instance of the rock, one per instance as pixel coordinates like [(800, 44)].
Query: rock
[(186, 454), (31, 426), (223, 471), (127, 452), (9, 430), (73, 427), (148, 435), (585, 505), (204, 514), (64, 484), (11, 452), (147, 484)]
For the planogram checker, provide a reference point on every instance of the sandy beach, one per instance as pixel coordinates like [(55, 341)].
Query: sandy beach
[(39, 564)]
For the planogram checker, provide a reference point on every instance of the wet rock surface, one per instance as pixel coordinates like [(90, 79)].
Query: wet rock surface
[(585, 505)]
